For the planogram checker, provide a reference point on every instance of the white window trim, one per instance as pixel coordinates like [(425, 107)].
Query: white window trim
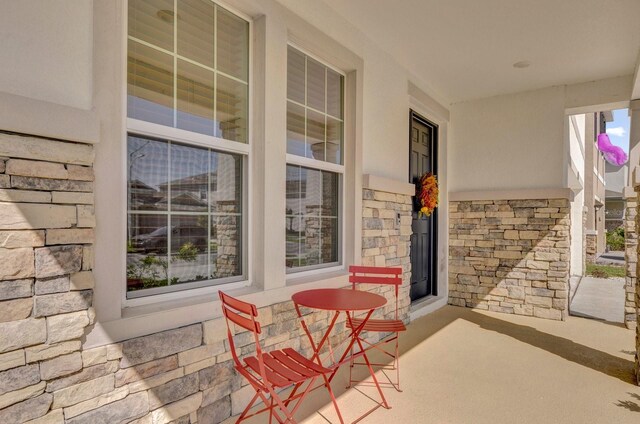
[(135, 126), (150, 129), (295, 275)]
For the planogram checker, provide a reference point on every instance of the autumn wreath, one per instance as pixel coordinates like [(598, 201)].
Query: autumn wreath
[(427, 194)]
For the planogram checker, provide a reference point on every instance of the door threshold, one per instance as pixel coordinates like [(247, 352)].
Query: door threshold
[(425, 306)]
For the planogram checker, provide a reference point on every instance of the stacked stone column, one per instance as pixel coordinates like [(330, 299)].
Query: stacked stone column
[(631, 260), (386, 238), (637, 288), (591, 245)]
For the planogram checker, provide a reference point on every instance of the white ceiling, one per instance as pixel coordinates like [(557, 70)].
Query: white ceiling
[(465, 49)]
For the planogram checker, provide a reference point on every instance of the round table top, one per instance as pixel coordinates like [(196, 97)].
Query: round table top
[(339, 299)]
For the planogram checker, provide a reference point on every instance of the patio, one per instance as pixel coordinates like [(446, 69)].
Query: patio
[(172, 150), (463, 366)]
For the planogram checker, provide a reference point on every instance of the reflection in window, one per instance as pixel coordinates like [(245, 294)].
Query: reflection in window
[(315, 132), (311, 217), (184, 214), (199, 80), (315, 95)]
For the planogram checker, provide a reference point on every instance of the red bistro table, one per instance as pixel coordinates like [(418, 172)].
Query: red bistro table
[(346, 301)]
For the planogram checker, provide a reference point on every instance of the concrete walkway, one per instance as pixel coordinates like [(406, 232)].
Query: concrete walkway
[(599, 298), (464, 366), (614, 257)]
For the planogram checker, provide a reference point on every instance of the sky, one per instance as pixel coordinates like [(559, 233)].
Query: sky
[(618, 130)]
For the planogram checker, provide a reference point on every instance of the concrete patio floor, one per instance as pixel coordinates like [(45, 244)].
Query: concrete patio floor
[(466, 366)]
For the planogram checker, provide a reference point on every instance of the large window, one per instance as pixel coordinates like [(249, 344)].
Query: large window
[(187, 108), (314, 162)]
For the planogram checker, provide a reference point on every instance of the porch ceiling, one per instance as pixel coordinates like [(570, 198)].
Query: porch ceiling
[(465, 49)]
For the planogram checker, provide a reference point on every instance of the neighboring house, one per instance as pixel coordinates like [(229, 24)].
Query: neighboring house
[(616, 180), (594, 198), (155, 152)]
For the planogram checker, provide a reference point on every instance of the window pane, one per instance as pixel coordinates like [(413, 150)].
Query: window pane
[(232, 45), (208, 92), (188, 248), (226, 246), (315, 134), (310, 241), (147, 251), (311, 191), (334, 93), (295, 75), (196, 31), (196, 235), (189, 178), (329, 240), (293, 193), (293, 241), (330, 194), (334, 141), (315, 84), (195, 99), (295, 129), (150, 85), (152, 21), (226, 183), (148, 164), (232, 109), (312, 225)]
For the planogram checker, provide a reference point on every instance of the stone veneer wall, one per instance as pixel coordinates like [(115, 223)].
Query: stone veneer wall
[(637, 288), (182, 375), (46, 257), (510, 256), (631, 260)]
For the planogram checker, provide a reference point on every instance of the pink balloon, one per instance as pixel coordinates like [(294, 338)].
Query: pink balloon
[(612, 154)]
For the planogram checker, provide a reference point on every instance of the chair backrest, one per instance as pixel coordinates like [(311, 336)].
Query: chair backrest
[(376, 275), (244, 315)]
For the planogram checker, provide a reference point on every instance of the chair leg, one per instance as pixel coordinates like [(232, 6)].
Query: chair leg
[(373, 376), (351, 364), (282, 407), (255, 397), (271, 411), (333, 397), (397, 361), (293, 392)]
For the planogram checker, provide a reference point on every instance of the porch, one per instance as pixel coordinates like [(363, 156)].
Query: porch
[(468, 366)]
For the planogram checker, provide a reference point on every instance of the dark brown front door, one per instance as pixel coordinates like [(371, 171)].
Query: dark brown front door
[(423, 158)]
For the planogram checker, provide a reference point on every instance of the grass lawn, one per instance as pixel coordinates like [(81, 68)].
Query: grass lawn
[(605, 271)]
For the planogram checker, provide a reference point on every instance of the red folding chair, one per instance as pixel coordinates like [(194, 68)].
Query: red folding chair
[(269, 373), (381, 276)]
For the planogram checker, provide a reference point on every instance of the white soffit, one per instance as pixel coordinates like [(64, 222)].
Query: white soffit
[(465, 49)]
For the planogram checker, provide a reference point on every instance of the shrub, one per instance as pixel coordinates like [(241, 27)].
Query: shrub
[(615, 239)]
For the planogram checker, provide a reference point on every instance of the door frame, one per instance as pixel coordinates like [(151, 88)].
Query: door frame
[(413, 115)]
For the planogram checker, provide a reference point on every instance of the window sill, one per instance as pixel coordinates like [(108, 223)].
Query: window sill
[(152, 318), (321, 275)]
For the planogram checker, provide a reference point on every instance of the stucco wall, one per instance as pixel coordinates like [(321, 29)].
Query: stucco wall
[(576, 127), (508, 142), (577, 234), (47, 49), (83, 74)]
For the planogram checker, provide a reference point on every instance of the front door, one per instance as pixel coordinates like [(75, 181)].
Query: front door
[(422, 159)]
